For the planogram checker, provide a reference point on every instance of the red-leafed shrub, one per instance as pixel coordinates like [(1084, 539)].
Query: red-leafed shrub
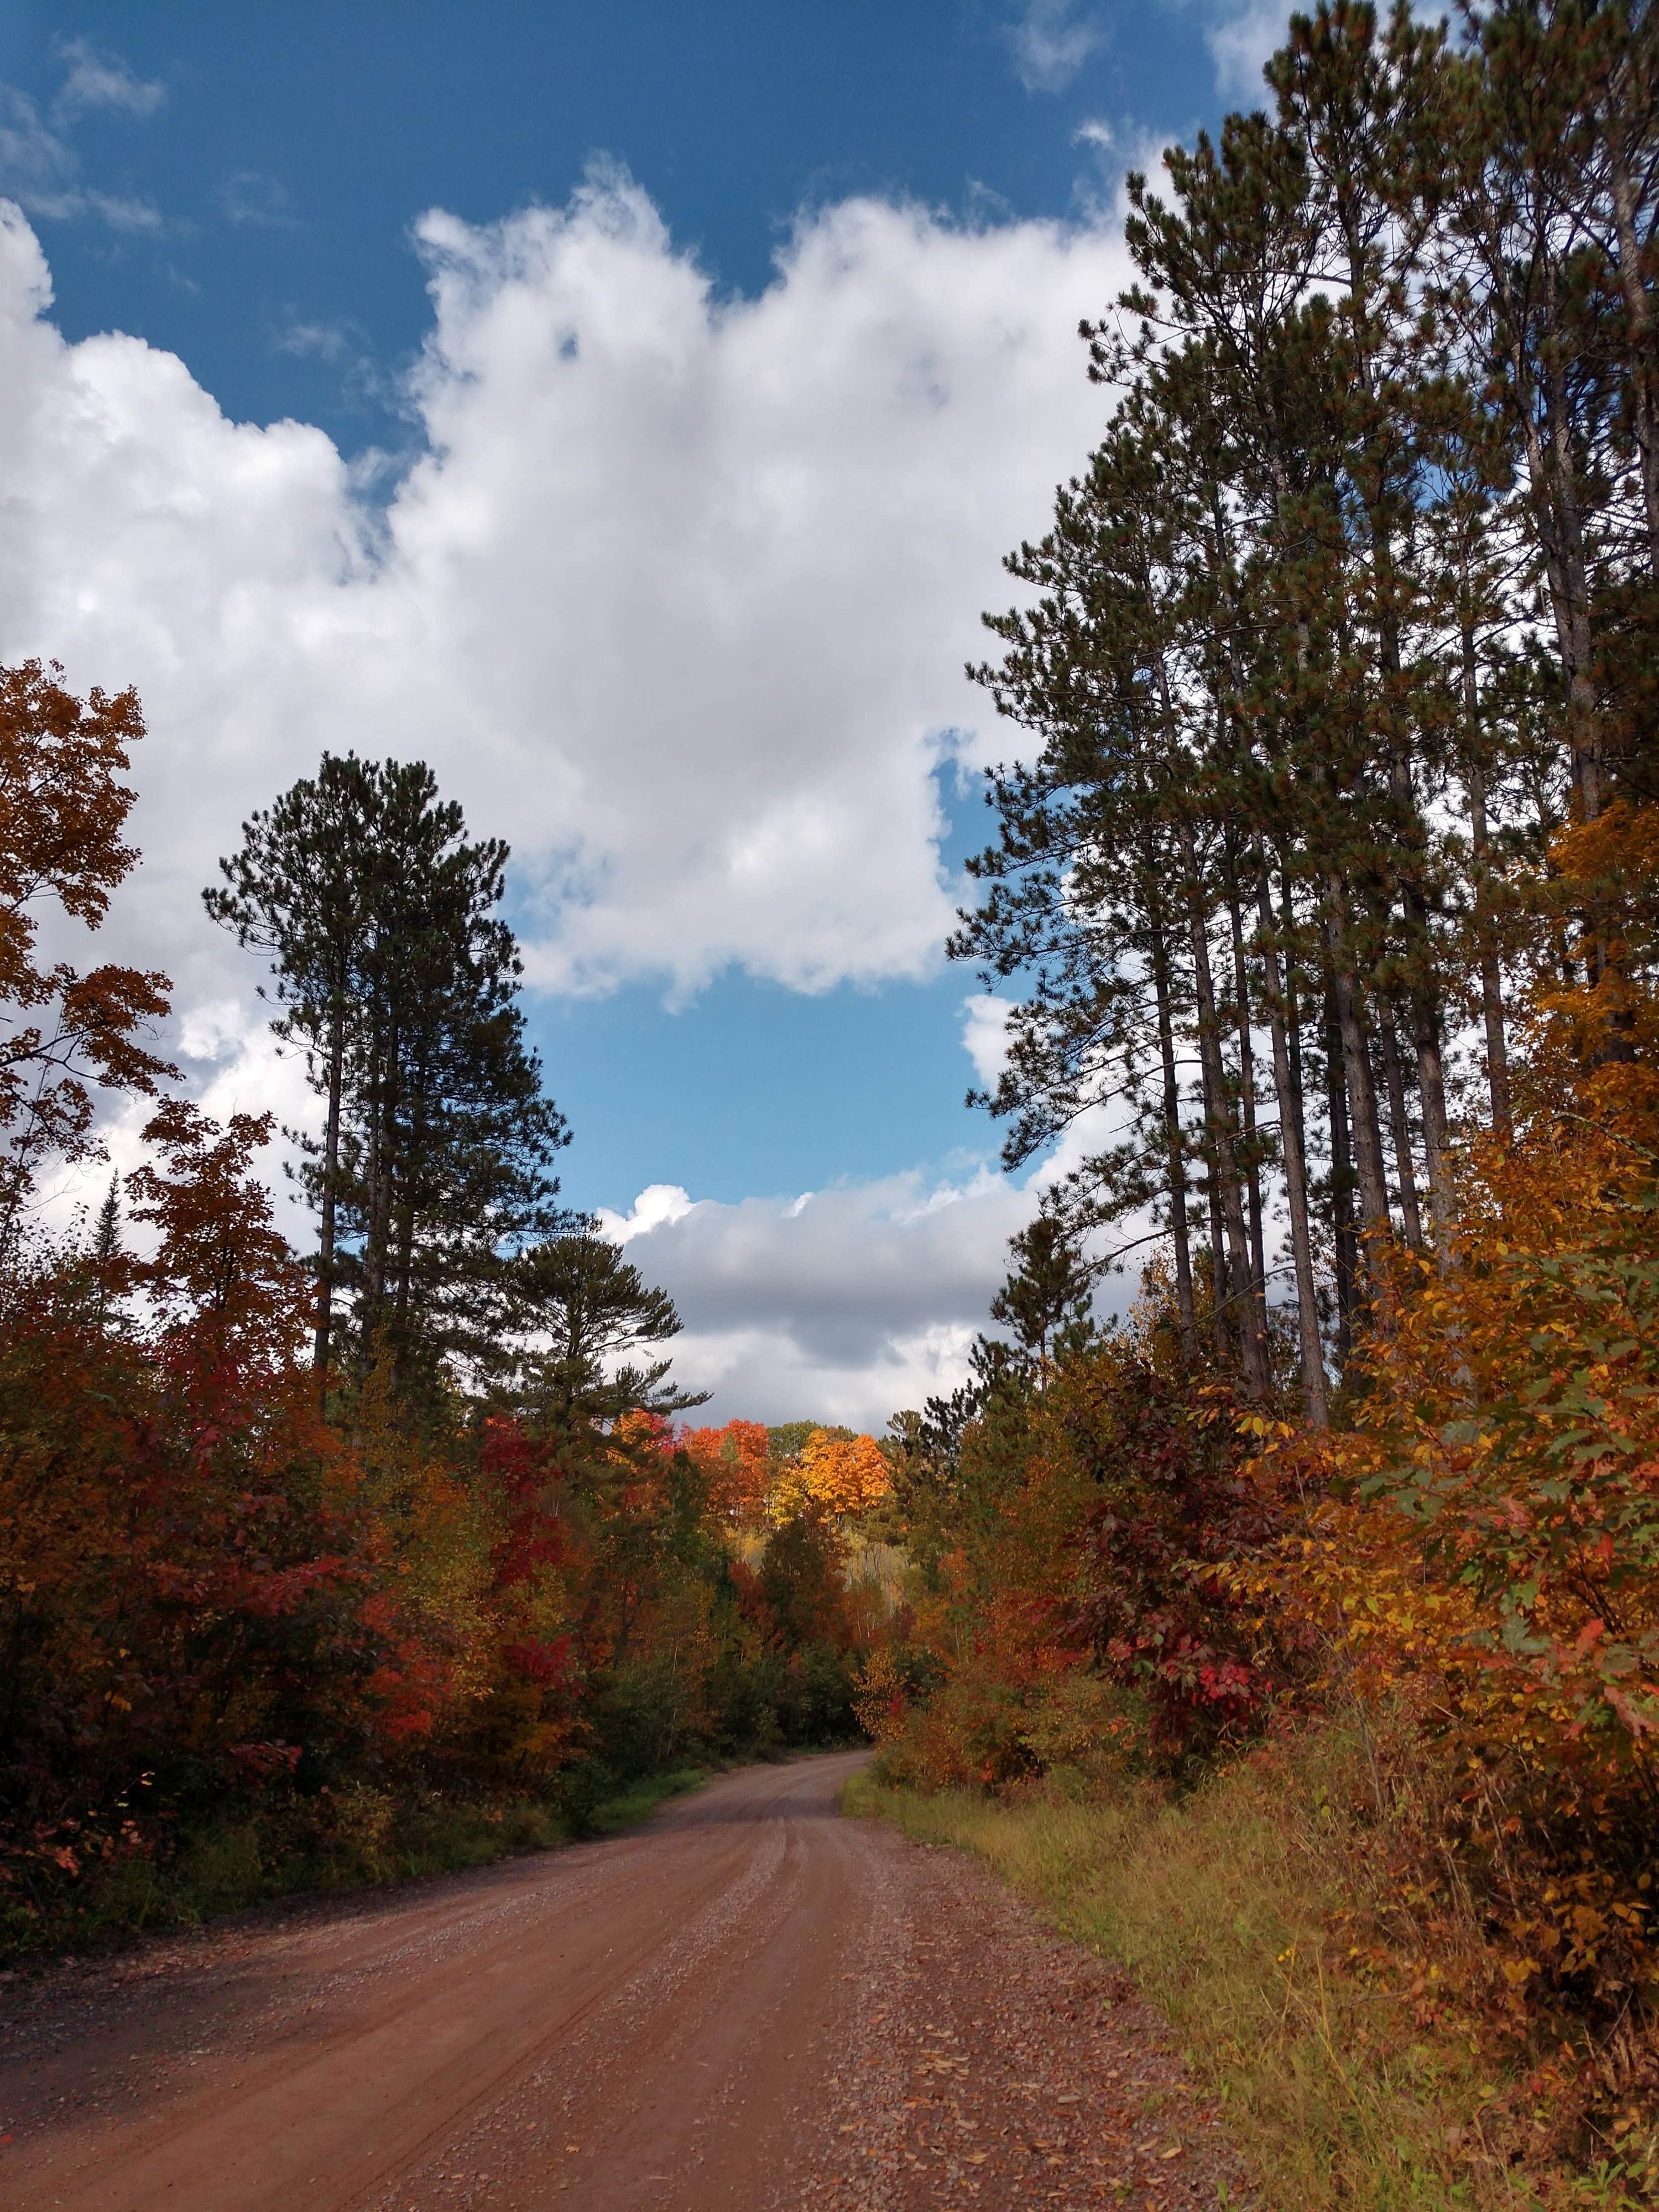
[(1179, 1501)]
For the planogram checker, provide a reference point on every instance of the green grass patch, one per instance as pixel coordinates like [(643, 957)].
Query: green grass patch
[(642, 1799), (1220, 1905)]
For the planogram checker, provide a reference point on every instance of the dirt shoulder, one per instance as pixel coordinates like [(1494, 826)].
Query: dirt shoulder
[(1001, 2066)]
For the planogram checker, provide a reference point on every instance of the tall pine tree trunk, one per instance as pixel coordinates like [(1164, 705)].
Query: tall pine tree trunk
[(1486, 935), (1295, 1165), (330, 1195), (1437, 1130), (1361, 1100), (1222, 1332), (1246, 1085), (1559, 517), (1344, 1242), (1224, 1155), (382, 1181), (1422, 996), (1639, 307), (1393, 1077), (1175, 1148)]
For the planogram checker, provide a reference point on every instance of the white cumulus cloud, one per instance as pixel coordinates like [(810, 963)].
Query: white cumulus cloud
[(863, 1298), (676, 595)]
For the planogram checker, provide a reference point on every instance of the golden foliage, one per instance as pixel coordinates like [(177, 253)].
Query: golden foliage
[(841, 1476)]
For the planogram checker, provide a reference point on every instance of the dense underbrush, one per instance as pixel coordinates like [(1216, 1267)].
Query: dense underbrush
[(352, 1837), (345, 1839)]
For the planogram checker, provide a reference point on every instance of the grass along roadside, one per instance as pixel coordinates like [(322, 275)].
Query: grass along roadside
[(1220, 1906), (363, 1838)]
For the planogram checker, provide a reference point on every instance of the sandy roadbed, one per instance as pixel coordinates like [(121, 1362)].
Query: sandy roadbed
[(748, 2003)]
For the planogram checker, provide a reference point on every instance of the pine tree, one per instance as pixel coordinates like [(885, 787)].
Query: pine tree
[(105, 1249), (298, 890), (588, 1313), (397, 977), (1047, 1303), (107, 1228), (1387, 370)]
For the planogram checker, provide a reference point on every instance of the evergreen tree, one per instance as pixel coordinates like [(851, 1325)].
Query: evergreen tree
[(1387, 372), (107, 1228), (590, 1315), (298, 890), (399, 979), (1047, 1303), (106, 1251)]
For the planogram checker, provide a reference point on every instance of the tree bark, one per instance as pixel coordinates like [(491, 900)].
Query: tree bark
[(1638, 307), (1174, 1149), (1221, 1330), (1492, 978), (1393, 1078), (1246, 1085), (1437, 1131), (1566, 568), (326, 1230), (1295, 1167), (1362, 1104), (1342, 1180), (1252, 1334)]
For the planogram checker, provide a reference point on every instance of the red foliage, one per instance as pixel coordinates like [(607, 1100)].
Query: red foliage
[(522, 1466), (735, 1463), (546, 1663), (1182, 1503), (62, 811)]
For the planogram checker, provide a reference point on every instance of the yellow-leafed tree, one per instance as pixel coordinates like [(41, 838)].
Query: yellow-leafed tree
[(835, 1476)]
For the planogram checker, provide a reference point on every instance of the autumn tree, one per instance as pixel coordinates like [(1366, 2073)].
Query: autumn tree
[(836, 1477), (68, 1033), (736, 1463)]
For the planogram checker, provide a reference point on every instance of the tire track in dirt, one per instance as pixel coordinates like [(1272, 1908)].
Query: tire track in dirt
[(748, 2005)]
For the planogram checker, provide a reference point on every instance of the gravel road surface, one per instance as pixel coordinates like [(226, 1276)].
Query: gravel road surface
[(747, 2005)]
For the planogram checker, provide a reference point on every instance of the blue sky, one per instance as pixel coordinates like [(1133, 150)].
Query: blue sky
[(295, 144), (659, 387), (752, 1087)]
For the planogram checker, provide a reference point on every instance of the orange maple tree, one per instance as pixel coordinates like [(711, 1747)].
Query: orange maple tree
[(736, 1463), (840, 1476)]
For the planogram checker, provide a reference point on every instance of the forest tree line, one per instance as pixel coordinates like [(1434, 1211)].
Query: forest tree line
[(1323, 897), (393, 1553), (1350, 611)]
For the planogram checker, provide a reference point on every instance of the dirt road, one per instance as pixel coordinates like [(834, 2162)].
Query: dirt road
[(748, 2003)]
